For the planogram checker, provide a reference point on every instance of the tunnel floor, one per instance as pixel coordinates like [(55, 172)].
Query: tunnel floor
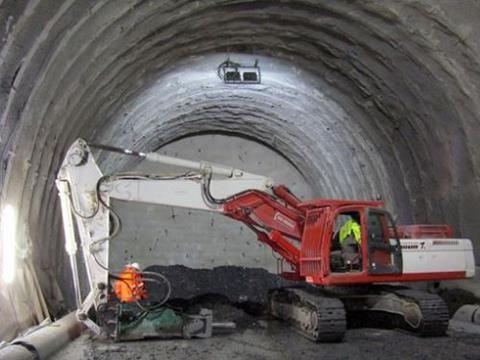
[(259, 336), (273, 340)]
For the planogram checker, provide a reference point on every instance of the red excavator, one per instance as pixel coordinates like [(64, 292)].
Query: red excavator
[(346, 277)]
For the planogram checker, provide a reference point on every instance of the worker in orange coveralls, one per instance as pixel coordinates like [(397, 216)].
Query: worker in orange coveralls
[(129, 286)]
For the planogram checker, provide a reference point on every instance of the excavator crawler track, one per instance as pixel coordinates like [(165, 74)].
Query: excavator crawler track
[(434, 313), (315, 316), (416, 311)]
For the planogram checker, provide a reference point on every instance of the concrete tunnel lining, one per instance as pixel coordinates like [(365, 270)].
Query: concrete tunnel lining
[(403, 76)]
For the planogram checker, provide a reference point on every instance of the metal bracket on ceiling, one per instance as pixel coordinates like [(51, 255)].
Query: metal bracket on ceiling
[(235, 73)]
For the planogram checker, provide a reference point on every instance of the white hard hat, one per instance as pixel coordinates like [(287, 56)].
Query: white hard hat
[(135, 265)]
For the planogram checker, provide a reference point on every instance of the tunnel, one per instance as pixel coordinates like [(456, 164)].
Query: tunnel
[(375, 100)]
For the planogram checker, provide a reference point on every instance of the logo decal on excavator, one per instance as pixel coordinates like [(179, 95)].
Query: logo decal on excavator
[(282, 219)]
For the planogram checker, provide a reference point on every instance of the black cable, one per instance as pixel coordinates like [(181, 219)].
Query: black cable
[(206, 190), (73, 206), (114, 276), (206, 180), (126, 176)]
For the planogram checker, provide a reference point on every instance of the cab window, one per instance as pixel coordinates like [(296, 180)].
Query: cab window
[(384, 252)]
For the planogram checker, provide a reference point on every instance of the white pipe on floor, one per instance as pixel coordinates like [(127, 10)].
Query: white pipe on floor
[(45, 341), (469, 314)]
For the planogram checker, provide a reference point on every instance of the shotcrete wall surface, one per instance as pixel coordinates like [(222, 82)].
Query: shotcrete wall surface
[(370, 99)]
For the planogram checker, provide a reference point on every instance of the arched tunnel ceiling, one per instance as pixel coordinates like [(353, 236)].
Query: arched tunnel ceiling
[(288, 111), (364, 97)]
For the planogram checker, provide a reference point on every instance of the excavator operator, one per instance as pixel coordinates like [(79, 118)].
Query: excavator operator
[(351, 228), (350, 238), (346, 243)]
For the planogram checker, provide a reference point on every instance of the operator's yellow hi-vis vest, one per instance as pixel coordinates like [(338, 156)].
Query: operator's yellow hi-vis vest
[(351, 227)]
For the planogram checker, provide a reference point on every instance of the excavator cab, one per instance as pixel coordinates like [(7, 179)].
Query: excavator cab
[(365, 241)]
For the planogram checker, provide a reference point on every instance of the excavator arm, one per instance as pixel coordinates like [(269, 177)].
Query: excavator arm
[(85, 194)]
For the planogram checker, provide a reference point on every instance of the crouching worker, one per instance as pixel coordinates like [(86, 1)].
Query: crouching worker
[(129, 285)]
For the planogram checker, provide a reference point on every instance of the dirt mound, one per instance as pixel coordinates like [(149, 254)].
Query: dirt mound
[(237, 284)]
